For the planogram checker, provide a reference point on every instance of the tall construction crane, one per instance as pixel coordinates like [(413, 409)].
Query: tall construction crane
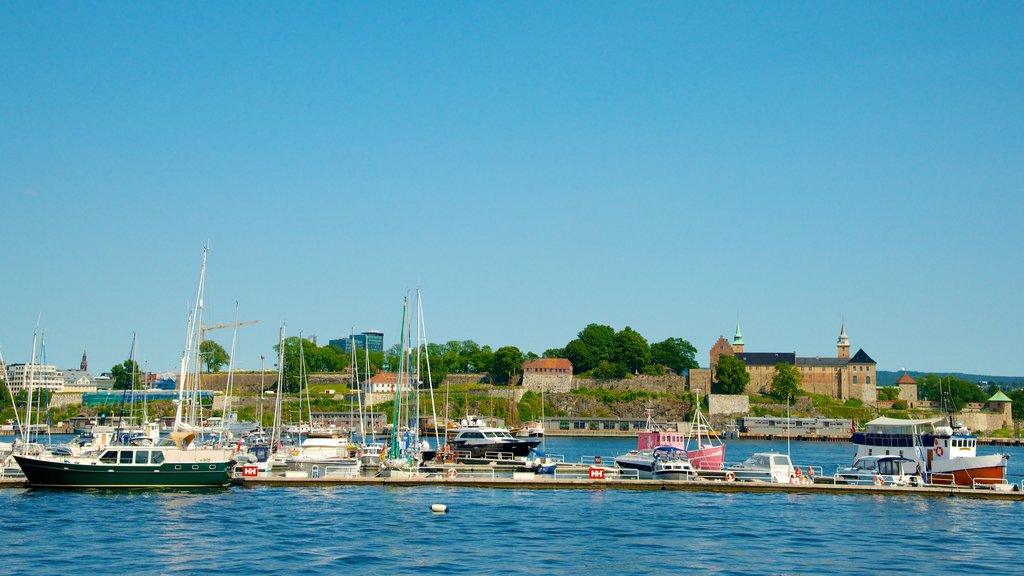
[(202, 335)]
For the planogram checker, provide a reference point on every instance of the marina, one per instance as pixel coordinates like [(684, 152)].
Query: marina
[(559, 526)]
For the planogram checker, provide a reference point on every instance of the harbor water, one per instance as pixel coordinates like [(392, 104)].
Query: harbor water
[(345, 529)]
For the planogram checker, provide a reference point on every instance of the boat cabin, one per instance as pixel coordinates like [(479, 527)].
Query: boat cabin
[(129, 456)]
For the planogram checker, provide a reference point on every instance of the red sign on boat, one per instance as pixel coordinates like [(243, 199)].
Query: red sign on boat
[(596, 473), (250, 471)]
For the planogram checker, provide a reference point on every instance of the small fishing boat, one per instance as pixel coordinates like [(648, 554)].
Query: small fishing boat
[(947, 454)]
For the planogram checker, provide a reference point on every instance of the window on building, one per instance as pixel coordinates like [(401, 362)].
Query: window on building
[(867, 379), (854, 378)]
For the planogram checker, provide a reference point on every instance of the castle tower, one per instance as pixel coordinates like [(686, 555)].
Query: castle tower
[(85, 362), (843, 346), (737, 340)]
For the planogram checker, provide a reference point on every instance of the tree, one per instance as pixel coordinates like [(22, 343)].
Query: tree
[(889, 393), (508, 360), (933, 387), (123, 373), (632, 350), (609, 369), (785, 382), (675, 354), (732, 374), (593, 344), (317, 359), (554, 353), (213, 355)]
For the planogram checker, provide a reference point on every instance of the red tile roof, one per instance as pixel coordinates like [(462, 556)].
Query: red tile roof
[(906, 379), (548, 363)]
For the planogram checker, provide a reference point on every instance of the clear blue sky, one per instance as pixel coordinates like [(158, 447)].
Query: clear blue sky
[(532, 167)]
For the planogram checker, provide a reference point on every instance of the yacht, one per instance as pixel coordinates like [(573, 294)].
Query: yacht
[(172, 462), (473, 439)]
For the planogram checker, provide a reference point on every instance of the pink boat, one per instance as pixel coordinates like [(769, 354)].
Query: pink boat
[(703, 447)]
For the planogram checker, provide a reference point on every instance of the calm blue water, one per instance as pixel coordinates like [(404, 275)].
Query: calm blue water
[(390, 530)]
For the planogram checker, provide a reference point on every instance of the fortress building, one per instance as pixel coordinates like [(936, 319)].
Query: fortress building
[(842, 377)]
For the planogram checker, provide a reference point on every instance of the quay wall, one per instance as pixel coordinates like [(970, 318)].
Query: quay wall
[(728, 404), (663, 384)]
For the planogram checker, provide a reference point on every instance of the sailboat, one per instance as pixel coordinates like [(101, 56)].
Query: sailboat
[(405, 450), (174, 461)]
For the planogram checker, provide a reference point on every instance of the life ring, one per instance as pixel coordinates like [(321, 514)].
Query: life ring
[(878, 481), (730, 476), (452, 473), (938, 451)]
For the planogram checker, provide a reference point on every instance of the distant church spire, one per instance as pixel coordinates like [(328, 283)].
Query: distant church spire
[(85, 362), (843, 345), (737, 340)]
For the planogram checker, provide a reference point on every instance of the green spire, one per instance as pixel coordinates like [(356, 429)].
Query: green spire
[(738, 338)]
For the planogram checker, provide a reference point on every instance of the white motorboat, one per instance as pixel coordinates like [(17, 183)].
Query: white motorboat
[(881, 470), (671, 463), (762, 467)]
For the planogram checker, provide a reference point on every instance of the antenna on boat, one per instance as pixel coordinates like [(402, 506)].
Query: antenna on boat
[(789, 423)]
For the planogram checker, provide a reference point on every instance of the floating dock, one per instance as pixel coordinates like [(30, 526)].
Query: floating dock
[(548, 483)]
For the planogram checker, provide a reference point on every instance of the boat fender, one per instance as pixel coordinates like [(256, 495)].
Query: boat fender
[(878, 481), (730, 476), (439, 508), (452, 472), (938, 451)]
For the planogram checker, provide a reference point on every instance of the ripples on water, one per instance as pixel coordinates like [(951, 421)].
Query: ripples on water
[(336, 530), (390, 530)]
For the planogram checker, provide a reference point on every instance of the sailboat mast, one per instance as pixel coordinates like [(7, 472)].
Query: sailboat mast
[(230, 386), (30, 375), (275, 439), (396, 412), (354, 358), (187, 363), (426, 356)]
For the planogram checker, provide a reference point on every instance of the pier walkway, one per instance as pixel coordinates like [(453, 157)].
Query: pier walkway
[(549, 483)]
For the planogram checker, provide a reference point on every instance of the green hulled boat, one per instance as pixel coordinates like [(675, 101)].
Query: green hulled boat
[(131, 467)]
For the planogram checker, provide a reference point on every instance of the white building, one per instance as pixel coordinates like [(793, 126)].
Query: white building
[(42, 377), (78, 381)]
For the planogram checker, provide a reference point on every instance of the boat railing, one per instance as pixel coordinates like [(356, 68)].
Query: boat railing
[(991, 484), (499, 455), (452, 473), (597, 460), (941, 479)]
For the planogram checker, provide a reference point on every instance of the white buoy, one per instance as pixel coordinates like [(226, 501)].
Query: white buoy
[(439, 508)]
